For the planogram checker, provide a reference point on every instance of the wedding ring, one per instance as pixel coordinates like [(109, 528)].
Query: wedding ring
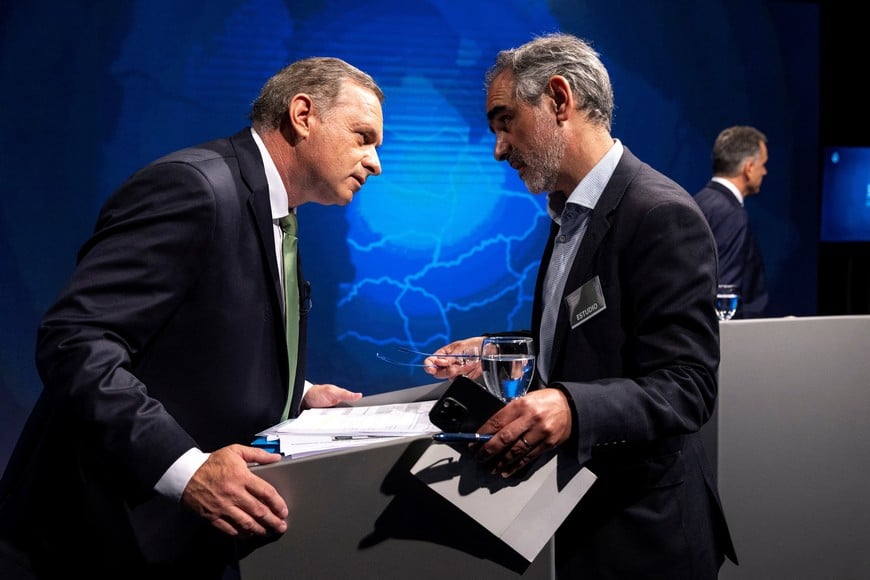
[(526, 443)]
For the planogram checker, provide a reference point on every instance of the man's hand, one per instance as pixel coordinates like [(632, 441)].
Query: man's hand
[(525, 429), (225, 492), (327, 396), (450, 367)]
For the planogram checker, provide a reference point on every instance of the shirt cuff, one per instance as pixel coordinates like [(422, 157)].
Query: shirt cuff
[(178, 475)]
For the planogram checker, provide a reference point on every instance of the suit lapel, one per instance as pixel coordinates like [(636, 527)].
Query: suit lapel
[(582, 269), (253, 174)]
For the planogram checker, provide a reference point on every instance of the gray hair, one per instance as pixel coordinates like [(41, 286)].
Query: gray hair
[(319, 77), (534, 63), (733, 146)]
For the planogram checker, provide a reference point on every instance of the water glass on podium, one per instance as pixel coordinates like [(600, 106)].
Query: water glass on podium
[(727, 299)]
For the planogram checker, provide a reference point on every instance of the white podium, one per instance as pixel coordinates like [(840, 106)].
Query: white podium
[(793, 433), (361, 514)]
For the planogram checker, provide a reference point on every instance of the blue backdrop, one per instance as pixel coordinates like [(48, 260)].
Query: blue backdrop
[(445, 244)]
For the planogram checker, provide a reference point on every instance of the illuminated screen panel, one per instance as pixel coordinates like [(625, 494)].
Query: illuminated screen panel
[(445, 244), (845, 212)]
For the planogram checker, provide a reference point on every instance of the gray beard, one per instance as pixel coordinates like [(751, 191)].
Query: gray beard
[(542, 166)]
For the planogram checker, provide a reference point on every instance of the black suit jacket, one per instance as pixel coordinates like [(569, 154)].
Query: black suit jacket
[(169, 335), (740, 261), (641, 376)]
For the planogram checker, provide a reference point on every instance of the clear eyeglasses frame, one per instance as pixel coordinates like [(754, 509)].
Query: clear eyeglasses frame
[(462, 358)]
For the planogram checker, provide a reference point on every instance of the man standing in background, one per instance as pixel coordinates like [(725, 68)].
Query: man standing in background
[(739, 166)]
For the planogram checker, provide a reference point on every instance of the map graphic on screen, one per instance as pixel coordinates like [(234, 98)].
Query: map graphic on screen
[(445, 243)]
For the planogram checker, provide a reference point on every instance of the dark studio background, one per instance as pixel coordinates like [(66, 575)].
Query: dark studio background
[(445, 243), (844, 267)]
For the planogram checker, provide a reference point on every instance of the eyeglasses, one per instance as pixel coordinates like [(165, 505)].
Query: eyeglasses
[(462, 358)]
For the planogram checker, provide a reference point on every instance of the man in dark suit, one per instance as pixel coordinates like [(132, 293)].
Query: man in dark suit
[(166, 352), (739, 166), (623, 318)]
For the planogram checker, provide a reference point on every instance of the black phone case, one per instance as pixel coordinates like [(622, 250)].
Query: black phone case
[(464, 407)]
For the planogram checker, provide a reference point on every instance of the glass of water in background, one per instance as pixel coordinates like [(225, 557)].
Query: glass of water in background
[(508, 363), (726, 301)]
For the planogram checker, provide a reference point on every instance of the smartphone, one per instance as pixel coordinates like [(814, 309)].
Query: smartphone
[(464, 406)]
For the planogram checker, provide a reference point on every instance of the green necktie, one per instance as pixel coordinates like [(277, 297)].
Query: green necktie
[(291, 301)]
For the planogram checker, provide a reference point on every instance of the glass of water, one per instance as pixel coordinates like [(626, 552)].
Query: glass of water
[(508, 363), (726, 301)]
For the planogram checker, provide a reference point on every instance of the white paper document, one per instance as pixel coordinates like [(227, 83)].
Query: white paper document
[(395, 419), (296, 446), (524, 512), (333, 428)]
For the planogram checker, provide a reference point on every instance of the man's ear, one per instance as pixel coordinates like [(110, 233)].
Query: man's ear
[(563, 99), (746, 170), (300, 110)]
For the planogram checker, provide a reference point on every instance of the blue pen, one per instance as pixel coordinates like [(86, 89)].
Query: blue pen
[(461, 437)]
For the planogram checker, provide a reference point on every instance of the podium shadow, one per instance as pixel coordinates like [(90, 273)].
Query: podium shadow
[(418, 513)]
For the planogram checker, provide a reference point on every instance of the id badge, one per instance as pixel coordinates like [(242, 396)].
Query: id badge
[(585, 302)]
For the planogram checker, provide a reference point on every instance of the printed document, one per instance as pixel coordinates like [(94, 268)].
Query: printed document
[(332, 428)]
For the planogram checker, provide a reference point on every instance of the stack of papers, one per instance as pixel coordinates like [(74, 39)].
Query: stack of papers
[(334, 428)]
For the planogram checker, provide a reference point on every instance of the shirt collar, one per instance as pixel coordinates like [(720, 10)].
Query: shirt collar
[(589, 190), (731, 187), (277, 191)]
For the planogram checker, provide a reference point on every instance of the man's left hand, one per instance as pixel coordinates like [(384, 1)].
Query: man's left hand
[(327, 396), (525, 429)]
